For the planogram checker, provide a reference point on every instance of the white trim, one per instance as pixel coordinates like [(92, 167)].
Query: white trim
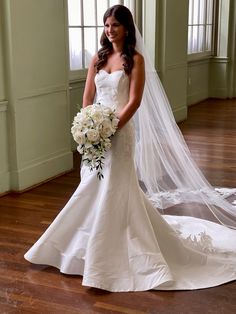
[(220, 60), (199, 56)]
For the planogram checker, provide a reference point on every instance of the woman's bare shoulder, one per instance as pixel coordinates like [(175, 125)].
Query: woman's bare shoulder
[(138, 58)]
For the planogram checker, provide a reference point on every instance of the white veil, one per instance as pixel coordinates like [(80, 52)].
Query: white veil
[(166, 170)]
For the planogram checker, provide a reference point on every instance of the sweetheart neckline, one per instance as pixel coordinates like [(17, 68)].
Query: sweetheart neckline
[(120, 70)]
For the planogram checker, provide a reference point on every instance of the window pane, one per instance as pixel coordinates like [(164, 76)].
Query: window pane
[(202, 11), (196, 11), (209, 11), (190, 30), (194, 38), (101, 8), (209, 37), (190, 12), (201, 37), (89, 12), (74, 12), (75, 48), (89, 44)]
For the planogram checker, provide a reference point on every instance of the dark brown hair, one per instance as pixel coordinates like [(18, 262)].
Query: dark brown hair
[(124, 17)]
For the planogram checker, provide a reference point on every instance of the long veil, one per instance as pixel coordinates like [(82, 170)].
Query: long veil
[(166, 170)]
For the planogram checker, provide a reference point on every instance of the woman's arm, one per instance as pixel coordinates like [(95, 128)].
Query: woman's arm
[(137, 81), (90, 89)]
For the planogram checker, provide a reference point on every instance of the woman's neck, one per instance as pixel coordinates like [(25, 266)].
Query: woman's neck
[(117, 48)]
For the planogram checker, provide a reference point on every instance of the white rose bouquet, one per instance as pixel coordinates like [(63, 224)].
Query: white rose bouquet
[(92, 129)]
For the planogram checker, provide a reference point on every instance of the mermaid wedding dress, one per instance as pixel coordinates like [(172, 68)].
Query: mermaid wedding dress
[(111, 234)]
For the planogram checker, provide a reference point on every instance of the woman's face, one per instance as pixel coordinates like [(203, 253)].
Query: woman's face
[(114, 31)]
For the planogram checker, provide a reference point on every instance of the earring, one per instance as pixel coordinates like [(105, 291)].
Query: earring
[(127, 33)]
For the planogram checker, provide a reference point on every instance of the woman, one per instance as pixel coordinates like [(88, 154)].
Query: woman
[(109, 232), (118, 55)]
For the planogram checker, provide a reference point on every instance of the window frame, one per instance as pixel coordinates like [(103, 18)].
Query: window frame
[(206, 54)]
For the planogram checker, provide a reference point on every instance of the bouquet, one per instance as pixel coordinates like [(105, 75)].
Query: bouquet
[(92, 129)]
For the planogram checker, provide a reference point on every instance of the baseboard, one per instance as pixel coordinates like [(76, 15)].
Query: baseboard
[(4, 182), (180, 113), (197, 97), (40, 172)]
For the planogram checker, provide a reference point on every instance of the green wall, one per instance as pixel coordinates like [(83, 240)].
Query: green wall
[(36, 89), (165, 34)]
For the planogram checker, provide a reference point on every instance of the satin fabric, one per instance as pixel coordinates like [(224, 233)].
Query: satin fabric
[(110, 233)]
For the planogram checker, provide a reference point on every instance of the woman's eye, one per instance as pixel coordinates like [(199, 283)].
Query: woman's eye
[(113, 25)]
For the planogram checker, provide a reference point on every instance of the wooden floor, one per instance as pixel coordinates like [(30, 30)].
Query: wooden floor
[(24, 288)]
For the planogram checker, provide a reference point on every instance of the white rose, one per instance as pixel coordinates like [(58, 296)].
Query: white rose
[(79, 117), (107, 129), (97, 116), (86, 122), (93, 135), (79, 137)]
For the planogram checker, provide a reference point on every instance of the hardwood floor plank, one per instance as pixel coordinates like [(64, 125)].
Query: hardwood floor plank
[(118, 309)]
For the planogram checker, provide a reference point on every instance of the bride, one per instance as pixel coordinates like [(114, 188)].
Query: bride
[(115, 231)]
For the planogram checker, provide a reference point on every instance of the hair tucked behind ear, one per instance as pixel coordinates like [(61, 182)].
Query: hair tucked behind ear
[(124, 17)]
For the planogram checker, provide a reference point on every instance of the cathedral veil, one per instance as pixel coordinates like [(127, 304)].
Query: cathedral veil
[(166, 170)]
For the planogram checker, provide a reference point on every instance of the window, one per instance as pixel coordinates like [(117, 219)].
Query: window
[(85, 29), (201, 26)]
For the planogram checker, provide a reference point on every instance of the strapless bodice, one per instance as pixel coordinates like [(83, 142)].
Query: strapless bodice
[(112, 89)]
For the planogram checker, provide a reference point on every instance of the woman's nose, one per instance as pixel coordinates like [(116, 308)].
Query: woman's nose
[(110, 29)]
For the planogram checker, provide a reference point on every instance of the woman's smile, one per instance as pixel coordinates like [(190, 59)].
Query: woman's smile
[(114, 30)]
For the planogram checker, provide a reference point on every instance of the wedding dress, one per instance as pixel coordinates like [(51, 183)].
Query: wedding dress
[(110, 233)]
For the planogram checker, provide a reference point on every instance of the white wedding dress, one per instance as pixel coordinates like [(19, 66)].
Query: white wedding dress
[(112, 235)]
